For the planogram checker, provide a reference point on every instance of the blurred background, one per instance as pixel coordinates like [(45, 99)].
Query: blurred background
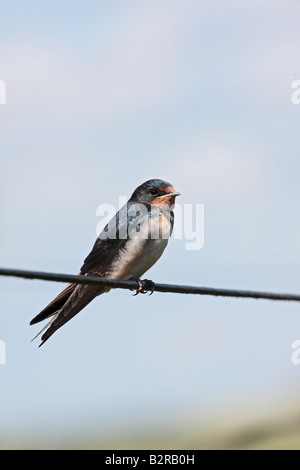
[(101, 96)]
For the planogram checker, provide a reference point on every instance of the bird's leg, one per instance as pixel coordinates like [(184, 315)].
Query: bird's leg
[(148, 286), (144, 286)]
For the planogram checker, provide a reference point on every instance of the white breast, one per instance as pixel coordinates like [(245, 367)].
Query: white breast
[(141, 251)]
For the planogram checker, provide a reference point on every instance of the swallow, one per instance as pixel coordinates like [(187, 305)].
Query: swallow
[(128, 246)]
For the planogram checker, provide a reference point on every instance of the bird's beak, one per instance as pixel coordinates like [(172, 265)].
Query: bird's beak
[(172, 194)]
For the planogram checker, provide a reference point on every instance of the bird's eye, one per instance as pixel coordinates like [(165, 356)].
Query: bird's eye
[(153, 192)]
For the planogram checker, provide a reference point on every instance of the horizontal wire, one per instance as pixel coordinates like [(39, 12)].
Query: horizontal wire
[(133, 285)]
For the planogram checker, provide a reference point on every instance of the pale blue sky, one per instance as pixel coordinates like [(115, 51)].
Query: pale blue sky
[(102, 96)]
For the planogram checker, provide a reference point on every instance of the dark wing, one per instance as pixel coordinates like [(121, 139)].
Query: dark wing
[(75, 297), (107, 247), (102, 256)]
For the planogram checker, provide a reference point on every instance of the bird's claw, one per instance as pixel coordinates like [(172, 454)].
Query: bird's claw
[(144, 286)]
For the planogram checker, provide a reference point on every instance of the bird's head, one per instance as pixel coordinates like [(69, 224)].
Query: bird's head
[(155, 192)]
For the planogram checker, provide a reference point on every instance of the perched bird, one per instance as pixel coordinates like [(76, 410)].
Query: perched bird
[(126, 248)]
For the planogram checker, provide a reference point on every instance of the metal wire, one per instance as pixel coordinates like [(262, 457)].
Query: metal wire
[(133, 285)]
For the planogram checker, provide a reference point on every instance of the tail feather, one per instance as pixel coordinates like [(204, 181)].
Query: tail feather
[(81, 296), (65, 306), (55, 305)]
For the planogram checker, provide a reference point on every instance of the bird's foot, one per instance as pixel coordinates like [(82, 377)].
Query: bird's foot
[(144, 286)]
